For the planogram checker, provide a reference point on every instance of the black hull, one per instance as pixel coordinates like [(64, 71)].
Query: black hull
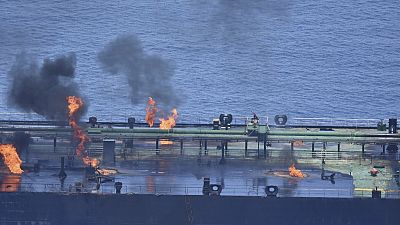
[(111, 209)]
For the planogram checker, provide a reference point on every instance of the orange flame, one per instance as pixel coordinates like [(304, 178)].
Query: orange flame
[(107, 172), (293, 172), (166, 142), (170, 122), (74, 104), (151, 111), (11, 158), (10, 183), (150, 184), (298, 143), (90, 161)]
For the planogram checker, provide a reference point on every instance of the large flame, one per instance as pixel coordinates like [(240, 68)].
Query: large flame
[(293, 172), (74, 104), (151, 111), (170, 122), (11, 158)]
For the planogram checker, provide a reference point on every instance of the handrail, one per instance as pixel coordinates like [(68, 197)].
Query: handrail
[(196, 190), (357, 122), (140, 117)]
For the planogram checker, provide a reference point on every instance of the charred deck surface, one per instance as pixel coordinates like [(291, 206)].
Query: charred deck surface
[(185, 177)]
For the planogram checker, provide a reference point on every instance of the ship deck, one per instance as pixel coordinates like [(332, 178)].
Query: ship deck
[(175, 161)]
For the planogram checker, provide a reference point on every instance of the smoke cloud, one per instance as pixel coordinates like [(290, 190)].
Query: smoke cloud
[(272, 7), (21, 141), (148, 75), (43, 89)]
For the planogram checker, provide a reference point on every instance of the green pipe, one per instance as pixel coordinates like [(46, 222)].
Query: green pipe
[(329, 134), (162, 131), (332, 139), (218, 134), (173, 136), (239, 132)]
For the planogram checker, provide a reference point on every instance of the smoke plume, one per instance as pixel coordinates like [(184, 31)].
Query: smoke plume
[(148, 75), (21, 141), (271, 7), (43, 89)]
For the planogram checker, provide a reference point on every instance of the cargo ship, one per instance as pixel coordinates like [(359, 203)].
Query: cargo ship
[(290, 171)]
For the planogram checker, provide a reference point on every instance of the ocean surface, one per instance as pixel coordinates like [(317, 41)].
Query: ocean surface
[(336, 59)]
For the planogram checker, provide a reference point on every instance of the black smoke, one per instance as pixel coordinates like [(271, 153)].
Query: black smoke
[(21, 141), (43, 89), (147, 75), (269, 7)]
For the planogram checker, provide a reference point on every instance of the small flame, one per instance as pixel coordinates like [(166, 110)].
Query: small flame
[(150, 184), (11, 158), (90, 161), (293, 172), (151, 111), (74, 104), (166, 142), (10, 183), (298, 143), (107, 172), (170, 122)]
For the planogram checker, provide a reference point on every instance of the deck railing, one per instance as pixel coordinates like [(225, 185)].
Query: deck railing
[(108, 188), (237, 119)]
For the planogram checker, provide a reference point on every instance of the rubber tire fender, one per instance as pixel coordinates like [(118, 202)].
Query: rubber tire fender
[(271, 190), (280, 119)]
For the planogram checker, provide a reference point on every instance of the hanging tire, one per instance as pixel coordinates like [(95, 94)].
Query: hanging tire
[(280, 120), (271, 190), (225, 118), (215, 189)]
